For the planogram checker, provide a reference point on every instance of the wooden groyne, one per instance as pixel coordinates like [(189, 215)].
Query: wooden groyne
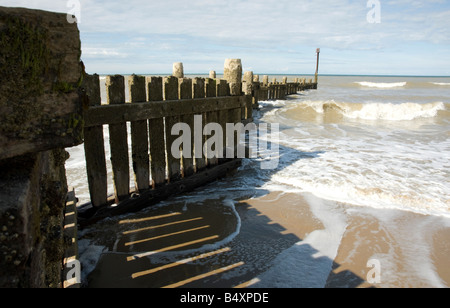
[(156, 105), (279, 90)]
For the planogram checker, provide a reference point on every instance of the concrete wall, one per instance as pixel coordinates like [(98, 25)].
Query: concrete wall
[(40, 115)]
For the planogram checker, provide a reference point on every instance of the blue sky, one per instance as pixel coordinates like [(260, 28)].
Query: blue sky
[(270, 36)]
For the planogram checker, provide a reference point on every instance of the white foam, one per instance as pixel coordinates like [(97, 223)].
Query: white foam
[(381, 85), (441, 83), (413, 239), (395, 112), (372, 110), (374, 170), (308, 263), (89, 255)]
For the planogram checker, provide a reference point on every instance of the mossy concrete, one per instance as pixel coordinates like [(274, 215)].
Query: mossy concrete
[(40, 77), (41, 113)]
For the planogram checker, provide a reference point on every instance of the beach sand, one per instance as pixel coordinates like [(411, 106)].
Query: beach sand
[(276, 240)]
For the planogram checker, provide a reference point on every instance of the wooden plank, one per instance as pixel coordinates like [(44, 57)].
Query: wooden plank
[(198, 87), (114, 114), (234, 116), (139, 136), (173, 163), (94, 148), (115, 91), (185, 92), (198, 91), (210, 117), (210, 87), (212, 160), (223, 89), (248, 108), (156, 134)]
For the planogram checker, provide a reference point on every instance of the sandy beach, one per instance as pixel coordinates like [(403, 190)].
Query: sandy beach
[(279, 240)]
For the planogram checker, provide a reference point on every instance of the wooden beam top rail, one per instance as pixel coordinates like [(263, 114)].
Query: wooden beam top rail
[(113, 114)]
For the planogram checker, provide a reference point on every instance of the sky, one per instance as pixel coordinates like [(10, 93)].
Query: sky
[(364, 37)]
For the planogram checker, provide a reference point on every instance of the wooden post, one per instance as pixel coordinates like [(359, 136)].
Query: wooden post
[(212, 74), (210, 87), (198, 87), (185, 92), (210, 117), (156, 134), (198, 91), (139, 136), (115, 90), (223, 89), (94, 148), (248, 83), (233, 74), (178, 70), (171, 93)]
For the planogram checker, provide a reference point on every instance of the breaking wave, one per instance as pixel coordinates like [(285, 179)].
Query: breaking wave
[(441, 83), (381, 85), (378, 111)]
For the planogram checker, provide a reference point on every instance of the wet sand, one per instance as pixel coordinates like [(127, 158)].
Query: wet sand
[(214, 244)]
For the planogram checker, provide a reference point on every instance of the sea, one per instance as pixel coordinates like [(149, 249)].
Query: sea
[(381, 142), (378, 143)]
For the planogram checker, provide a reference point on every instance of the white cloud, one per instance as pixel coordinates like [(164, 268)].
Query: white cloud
[(102, 52), (163, 30)]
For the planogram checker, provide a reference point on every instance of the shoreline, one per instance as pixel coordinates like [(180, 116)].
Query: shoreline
[(280, 240)]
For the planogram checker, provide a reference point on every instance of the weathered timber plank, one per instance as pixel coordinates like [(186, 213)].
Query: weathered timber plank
[(139, 136), (114, 114), (248, 103), (115, 90), (185, 92), (171, 93), (198, 91), (233, 140), (211, 116), (156, 134), (211, 142), (210, 87), (94, 148), (223, 119)]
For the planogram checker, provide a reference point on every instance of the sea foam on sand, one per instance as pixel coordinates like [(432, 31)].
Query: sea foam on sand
[(308, 263)]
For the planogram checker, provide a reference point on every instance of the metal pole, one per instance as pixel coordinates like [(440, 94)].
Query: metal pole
[(317, 65)]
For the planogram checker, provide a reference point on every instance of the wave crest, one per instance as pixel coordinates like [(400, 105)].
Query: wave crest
[(378, 111), (381, 85), (441, 83)]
